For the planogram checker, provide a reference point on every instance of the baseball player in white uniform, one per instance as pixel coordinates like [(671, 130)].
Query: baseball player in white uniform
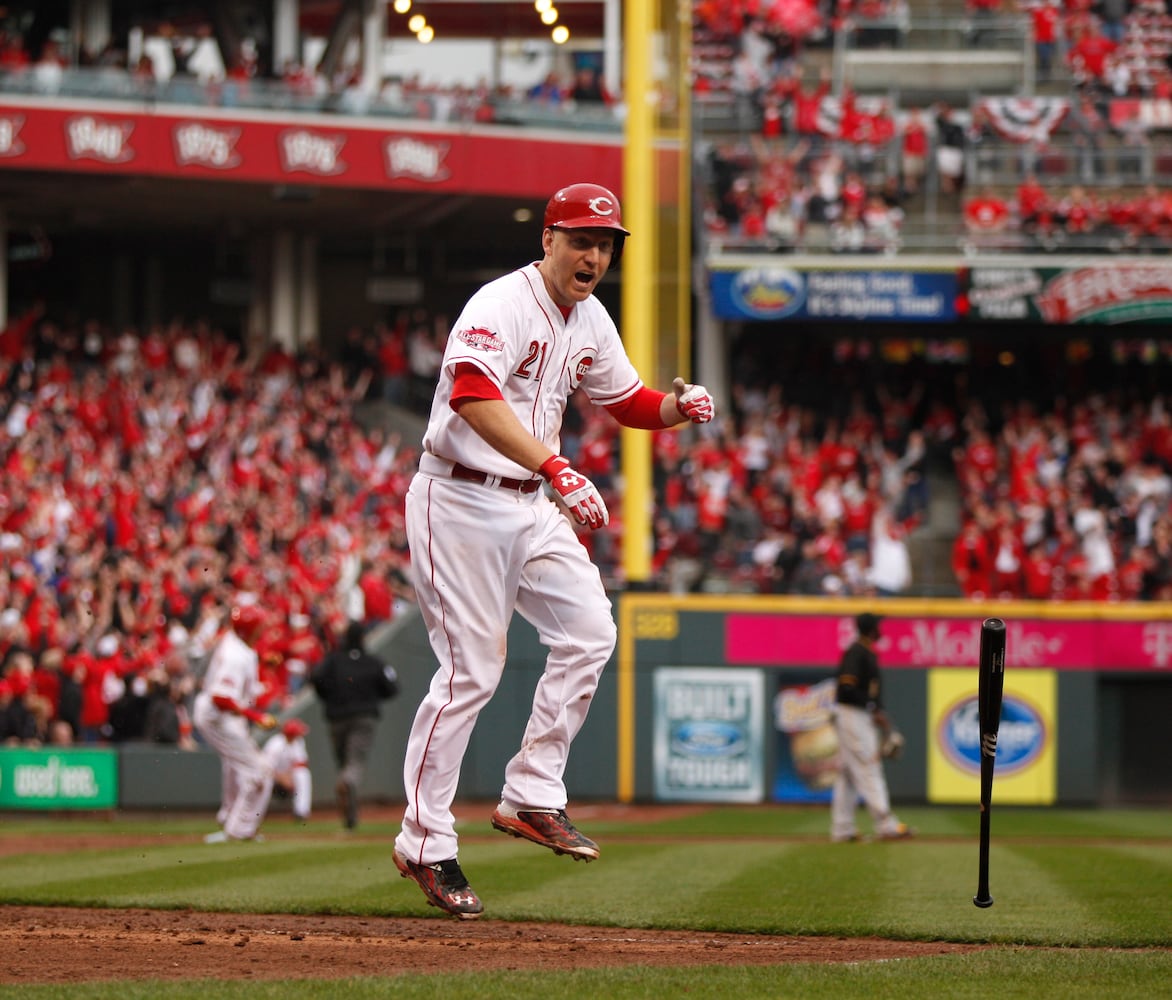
[(486, 541), (224, 709), (288, 758)]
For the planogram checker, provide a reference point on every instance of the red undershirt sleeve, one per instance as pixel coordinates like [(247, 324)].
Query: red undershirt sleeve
[(226, 704), (640, 411), (471, 383)]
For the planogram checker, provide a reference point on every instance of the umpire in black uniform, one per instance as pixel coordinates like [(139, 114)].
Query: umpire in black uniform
[(351, 685)]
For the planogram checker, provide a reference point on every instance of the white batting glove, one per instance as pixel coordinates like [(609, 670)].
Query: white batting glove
[(576, 491), (694, 402)]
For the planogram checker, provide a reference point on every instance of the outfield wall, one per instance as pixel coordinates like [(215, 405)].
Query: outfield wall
[(688, 710)]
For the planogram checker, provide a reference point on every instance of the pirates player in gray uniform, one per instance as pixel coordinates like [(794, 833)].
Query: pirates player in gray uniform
[(860, 722)]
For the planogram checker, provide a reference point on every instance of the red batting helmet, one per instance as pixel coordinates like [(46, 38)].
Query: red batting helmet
[(294, 728), (247, 621), (584, 206)]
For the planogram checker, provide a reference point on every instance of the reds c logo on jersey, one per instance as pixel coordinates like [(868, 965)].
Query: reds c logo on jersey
[(582, 368), (480, 339)]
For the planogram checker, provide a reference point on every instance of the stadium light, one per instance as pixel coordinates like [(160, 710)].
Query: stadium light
[(542, 5), (402, 6), (426, 34), (417, 23), (560, 35), (549, 15)]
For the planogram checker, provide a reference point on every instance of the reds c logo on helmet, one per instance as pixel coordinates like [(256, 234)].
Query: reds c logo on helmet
[(584, 206)]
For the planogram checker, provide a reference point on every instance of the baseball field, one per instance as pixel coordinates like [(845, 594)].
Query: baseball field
[(696, 901)]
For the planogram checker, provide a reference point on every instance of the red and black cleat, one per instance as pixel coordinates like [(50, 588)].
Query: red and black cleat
[(549, 829), (444, 885)]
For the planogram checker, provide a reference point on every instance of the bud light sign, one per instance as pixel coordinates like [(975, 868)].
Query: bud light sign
[(1021, 736)]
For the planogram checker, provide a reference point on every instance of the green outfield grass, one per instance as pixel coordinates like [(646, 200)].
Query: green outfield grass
[(1073, 889)]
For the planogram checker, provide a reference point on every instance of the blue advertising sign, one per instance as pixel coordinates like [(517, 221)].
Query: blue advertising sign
[(772, 292)]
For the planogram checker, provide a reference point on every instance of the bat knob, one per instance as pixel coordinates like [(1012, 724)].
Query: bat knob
[(984, 903)]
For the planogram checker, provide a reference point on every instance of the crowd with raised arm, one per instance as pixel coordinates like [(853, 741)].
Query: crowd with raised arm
[(148, 479)]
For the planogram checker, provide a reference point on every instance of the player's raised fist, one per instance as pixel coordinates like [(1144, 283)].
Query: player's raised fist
[(694, 402), (576, 491)]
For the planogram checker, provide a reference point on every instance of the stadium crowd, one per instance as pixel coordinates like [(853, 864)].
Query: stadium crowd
[(799, 166), (149, 480)]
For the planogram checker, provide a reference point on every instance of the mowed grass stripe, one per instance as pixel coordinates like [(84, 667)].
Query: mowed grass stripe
[(631, 885), (1106, 882), (996, 972), (293, 875)]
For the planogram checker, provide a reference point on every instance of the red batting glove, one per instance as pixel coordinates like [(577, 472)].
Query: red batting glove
[(576, 491), (694, 402)]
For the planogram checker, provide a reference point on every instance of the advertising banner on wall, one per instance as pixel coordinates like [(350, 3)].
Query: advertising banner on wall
[(807, 750), (1107, 294), (301, 148), (58, 779), (709, 734), (1025, 772), (922, 641), (772, 292)]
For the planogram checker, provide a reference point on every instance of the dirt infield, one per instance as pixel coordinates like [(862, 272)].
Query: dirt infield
[(65, 945), (58, 945)]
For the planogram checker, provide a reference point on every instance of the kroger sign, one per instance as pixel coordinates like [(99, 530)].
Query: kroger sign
[(1020, 738)]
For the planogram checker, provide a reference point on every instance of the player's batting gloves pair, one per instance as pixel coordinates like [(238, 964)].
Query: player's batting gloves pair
[(694, 402), (576, 491)]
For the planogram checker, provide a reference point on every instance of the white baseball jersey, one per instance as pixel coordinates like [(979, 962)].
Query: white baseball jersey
[(285, 754), (516, 335), (233, 671), (289, 756)]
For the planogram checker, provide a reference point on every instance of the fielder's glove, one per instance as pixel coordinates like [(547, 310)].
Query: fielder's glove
[(892, 745)]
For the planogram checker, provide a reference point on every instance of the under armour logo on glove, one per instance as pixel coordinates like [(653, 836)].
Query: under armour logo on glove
[(569, 481), (576, 491), (694, 402)]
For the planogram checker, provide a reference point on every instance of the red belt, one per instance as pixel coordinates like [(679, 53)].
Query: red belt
[(504, 482)]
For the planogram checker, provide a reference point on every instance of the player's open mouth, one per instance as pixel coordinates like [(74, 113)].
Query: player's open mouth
[(585, 277)]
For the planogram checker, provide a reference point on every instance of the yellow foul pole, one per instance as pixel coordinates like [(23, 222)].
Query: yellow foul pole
[(656, 293), (638, 331), (639, 268)]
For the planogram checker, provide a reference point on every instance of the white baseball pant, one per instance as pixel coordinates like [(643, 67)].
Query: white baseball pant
[(478, 554)]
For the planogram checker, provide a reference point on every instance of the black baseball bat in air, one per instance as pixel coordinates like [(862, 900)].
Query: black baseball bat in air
[(990, 685)]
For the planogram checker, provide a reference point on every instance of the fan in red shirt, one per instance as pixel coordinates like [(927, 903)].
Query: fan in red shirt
[(1150, 211), (1034, 207), (1037, 573), (986, 213), (914, 153), (808, 108), (1044, 21), (1079, 211), (1088, 54), (972, 560)]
